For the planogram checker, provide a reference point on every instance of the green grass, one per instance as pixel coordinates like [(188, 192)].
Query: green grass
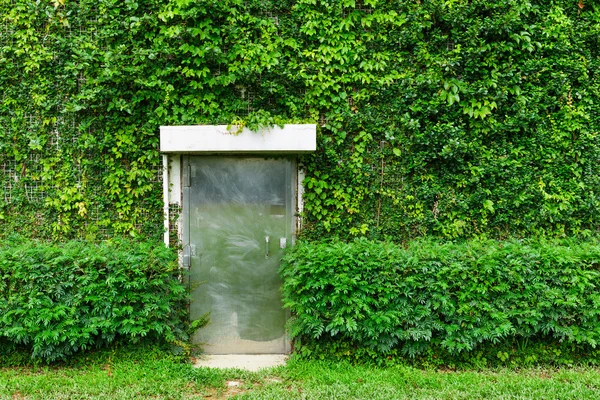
[(147, 373)]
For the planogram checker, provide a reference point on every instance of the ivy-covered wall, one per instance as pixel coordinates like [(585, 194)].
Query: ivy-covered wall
[(450, 118)]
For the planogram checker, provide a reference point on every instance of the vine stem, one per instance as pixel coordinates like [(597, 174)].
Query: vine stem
[(381, 145)]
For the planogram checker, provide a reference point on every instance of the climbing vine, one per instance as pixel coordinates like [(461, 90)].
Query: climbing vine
[(446, 117)]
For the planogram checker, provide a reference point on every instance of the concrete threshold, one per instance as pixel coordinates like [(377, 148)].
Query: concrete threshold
[(248, 362)]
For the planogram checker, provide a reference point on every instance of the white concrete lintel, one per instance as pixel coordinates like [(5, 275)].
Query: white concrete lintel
[(206, 139)]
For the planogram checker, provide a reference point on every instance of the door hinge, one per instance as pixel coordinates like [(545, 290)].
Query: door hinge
[(186, 258), (187, 176)]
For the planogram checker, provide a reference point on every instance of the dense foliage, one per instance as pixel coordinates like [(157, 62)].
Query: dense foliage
[(56, 300), (453, 297), (445, 117)]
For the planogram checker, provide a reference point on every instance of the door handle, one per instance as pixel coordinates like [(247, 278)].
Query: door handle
[(267, 247)]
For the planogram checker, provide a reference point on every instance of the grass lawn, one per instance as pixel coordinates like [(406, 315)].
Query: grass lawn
[(149, 374)]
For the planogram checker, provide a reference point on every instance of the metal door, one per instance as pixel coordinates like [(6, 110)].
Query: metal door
[(239, 220)]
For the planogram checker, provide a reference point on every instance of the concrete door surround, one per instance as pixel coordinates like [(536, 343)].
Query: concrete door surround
[(205, 139), (176, 141)]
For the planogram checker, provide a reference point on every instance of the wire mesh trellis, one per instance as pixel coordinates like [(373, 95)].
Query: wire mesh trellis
[(174, 217), (11, 178), (27, 173), (101, 223), (271, 14), (35, 190), (251, 99), (248, 96), (358, 6), (158, 175), (6, 36), (45, 144)]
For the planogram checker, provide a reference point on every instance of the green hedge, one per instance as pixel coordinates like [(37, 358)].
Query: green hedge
[(58, 299), (453, 297)]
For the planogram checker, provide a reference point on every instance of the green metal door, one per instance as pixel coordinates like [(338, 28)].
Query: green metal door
[(239, 220)]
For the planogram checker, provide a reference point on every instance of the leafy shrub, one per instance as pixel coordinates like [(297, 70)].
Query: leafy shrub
[(57, 299), (387, 299)]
